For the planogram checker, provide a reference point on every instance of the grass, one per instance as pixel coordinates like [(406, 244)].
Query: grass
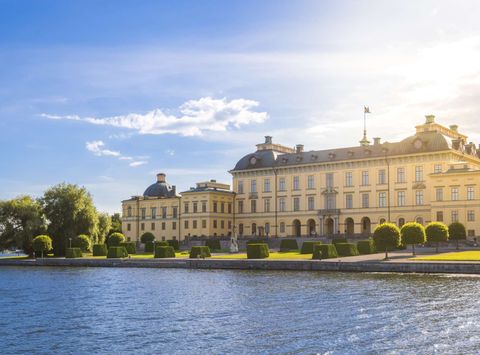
[(455, 256), (14, 257), (180, 255), (273, 255)]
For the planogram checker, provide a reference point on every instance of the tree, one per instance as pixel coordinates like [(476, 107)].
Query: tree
[(21, 219), (115, 239), (386, 236), (116, 225), (412, 233), (70, 211), (147, 237), (83, 242), (42, 244), (104, 227), (456, 231), (436, 232)]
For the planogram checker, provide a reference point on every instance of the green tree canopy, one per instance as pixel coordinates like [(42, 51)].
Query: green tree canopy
[(115, 239), (83, 242), (386, 236), (70, 212), (116, 225), (436, 232), (413, 233), (21, 219), (147, 237), (456, 231), (104, 227), (42, 244)]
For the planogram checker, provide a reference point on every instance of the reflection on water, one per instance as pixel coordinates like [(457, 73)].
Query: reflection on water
[(108, 310)]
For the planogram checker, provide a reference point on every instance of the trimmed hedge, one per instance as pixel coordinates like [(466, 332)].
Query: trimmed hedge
[(174, 244), (256, 241), (288, 244), (257, 251), (83, 242), (161, 244), (147, 237), (324, 251), (307, 247), (336, 241), (130, 247), (100, 250), (200, 252), (42, 244), (71, 253), (115, 239), (149, 247), (117, 252), (213, 244), (366, 247), (346, 249), (164, 252)]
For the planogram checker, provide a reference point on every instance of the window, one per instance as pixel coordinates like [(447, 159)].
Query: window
[(311, 203), (129, 211), (454, 193), (282, 227), (330, 202), (439, 194), (266, 185), (215, 207), (400, 174), (266, 205), (204, 207), (204, 223), (296, 182), (419, 220), (329, 179), (214, 223), (401, 222), (154, 212), (185, 207), (281, 204), (163, 226), (311, 182), (194, 223), (240, 229), (365, 200), (164, 212), (471, 233), (144, 212), (174, 225), (419, 197), (142, 226), (253, 206), (254, 228), (382, 199), (439, 216), (229, 207), (267, 228), (222, 207), (470, 216), (296, 204), (419, 173), (152, 226), (381, 177), (401, 198), (348, 179), (175, 211), (454, 216), (240, 206), (437, 168), (364, 178), (240, 187), (186, 224), (253, 186), (229, 224), (470, 193), (281, 184), (195, 207), (222, 224), (129, 227), (349, 201)]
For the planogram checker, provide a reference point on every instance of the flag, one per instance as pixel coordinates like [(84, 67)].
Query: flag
[(366, 109)]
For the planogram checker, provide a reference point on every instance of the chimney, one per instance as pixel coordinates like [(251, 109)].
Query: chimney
[(454, 127), (299, 148), (430, 119), (268, 139), (161, 177), (376, 140), (174, 189)]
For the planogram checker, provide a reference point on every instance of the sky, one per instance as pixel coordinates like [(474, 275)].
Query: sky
[(105, 94)]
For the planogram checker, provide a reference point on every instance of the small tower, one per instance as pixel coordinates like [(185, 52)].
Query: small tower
[(364, 142)]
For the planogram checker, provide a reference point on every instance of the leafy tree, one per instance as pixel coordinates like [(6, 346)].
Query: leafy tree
[(386, 236), (70, 211), (147, 237), (83, 242), (413, 233), (42, 244), (115, 239), (104, 227), (456, 231), (21, 219), (436, 232), (116, 225)]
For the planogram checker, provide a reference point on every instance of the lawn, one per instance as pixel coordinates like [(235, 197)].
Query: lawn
[(137, 256), (273, 255), (455, 256)]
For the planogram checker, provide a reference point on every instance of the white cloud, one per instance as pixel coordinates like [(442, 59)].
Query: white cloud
[(134, 164), (195, 119), (170, 152), (97, 148)]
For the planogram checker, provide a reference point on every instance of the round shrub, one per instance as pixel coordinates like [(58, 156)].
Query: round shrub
[(115, 239), (42, 244), (456, 231), (257, 251), (130, 247), (164, 252), (346, 249), (307, 247), (366, 247), (256, 241), (200, 252), (174, 243), (149, 247), (83, 242), (100, 250), (117, 252), (412, 233), (213, 244), (385, 236), (288, 244), (324, 251), (147, 237), (436, 232), (71, 253)]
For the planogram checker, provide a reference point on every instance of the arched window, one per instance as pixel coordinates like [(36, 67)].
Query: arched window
[(254, 228), (401, 222), (267, 228), (382, 220), (129, 211), (419, 220), (282, 227), (240, 229)]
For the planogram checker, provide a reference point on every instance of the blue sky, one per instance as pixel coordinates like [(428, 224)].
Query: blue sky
[(106, 94)]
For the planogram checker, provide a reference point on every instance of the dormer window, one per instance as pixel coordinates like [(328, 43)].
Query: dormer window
[(314, 157), (350, 153), (331, 156), (367, 152), (299, 159), (418, 143), (285, 160), (253, 160)]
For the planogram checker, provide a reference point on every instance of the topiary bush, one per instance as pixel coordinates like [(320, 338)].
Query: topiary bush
[(436, 232), (324, 251), (117, 252), (71, 253), (256, 241), (336, 241), (83, 242), (147, 237), (307, 247), (257, 251), (366, 247), (42, 244), (200, 252), (413, 233), (288, 244), (346, 249), (100, 250), (115, 239), (164, 252), (385, 236), (174, 243), (130, 247), (213, 244), (149, 247), (456, 231)]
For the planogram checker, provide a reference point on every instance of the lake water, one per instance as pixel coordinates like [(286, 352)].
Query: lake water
[(126, 311)]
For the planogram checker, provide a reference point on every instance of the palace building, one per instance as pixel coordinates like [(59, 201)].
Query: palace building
[(279, 191)]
